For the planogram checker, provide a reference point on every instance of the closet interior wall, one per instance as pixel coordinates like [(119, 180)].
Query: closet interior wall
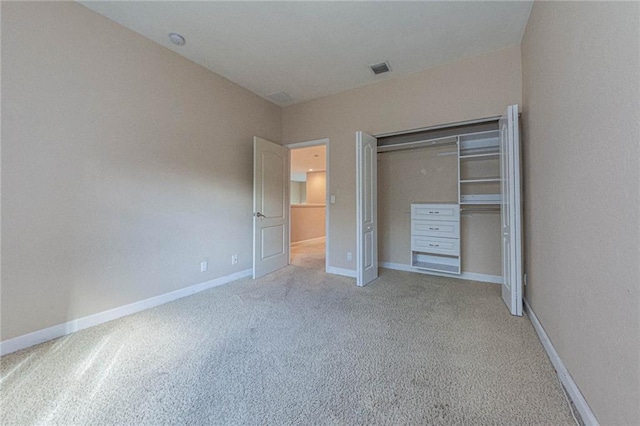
[(430, 174)]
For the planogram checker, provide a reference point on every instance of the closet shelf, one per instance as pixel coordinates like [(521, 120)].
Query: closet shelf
[(480, 199), (479, 150), (491, 179), (437, 267), (480, 156), (480, 203)]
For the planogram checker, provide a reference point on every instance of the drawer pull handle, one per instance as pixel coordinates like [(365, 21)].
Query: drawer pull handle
[(434, 212), (434, 229), (434, 245)]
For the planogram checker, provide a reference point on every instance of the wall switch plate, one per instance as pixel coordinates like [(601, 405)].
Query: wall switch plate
[(349, 257), (234, 259), (332, 199), (204, 266)]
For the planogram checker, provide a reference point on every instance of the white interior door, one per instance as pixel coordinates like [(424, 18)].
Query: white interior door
[(367, 208), (270, 207), (511, 211)]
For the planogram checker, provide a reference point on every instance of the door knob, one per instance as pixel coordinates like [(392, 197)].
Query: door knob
[(260, 215)]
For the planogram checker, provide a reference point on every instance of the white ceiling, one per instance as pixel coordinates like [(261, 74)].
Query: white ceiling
[(303, 160), (312, 49)]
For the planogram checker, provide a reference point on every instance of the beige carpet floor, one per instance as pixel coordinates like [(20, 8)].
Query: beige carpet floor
[(309, 254), (297, 347)]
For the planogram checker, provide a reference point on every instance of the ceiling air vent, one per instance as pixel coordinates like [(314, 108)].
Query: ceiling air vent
[(381, 68), (280, 97)]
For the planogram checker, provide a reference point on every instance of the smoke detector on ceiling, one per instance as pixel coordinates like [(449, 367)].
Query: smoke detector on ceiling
[(380, 68), (280, 97), (177, 39)]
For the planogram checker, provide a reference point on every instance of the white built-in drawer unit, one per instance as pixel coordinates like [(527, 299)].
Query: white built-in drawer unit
[(435, 237), (450, 246), (435, 228), (448, 212)]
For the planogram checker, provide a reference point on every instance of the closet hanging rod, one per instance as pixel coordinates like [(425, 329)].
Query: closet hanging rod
[(427, 143)]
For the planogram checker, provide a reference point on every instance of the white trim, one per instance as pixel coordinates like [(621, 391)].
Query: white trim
[(27, 340), (316, 142), (327, 203), (471, 276), (576, 396), (341, 271)]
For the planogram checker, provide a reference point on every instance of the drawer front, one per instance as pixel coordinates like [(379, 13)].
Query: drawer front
[(449, 212), (450, 246), (435, 228)]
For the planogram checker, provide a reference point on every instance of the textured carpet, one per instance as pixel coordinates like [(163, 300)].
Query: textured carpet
[(297, 347)]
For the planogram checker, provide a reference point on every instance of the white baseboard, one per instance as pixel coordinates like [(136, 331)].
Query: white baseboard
[(341, 271), (576, 396), (471, 276), (26, 340)]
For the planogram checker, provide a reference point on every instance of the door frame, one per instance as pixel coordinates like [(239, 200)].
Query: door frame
[(327, 201)]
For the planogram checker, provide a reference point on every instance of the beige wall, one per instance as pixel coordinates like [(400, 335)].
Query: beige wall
[(316, 187), (307, 222), (297, 192), (581, 85), (472, 88), (405, 177), (123, 166)]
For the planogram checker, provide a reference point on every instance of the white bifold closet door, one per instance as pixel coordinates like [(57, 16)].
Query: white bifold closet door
[(366, 208), (511, 211)]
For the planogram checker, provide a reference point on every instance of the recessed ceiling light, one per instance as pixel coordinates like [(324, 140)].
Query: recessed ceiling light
[(310, 170), (177, 39)]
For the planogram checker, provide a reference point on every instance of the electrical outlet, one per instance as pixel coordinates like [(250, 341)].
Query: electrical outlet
[(349, 257), (204, 266), (234, 259)]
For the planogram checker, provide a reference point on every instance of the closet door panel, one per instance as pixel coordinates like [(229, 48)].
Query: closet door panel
[(511, 211)]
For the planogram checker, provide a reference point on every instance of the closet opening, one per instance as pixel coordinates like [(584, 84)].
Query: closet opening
[(443, 201), (430, 194), (308, 204)]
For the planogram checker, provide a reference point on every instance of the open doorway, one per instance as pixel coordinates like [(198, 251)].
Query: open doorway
[(308, 210)]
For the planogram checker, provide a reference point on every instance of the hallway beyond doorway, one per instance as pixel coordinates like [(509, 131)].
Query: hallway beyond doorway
[(309, 253)]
